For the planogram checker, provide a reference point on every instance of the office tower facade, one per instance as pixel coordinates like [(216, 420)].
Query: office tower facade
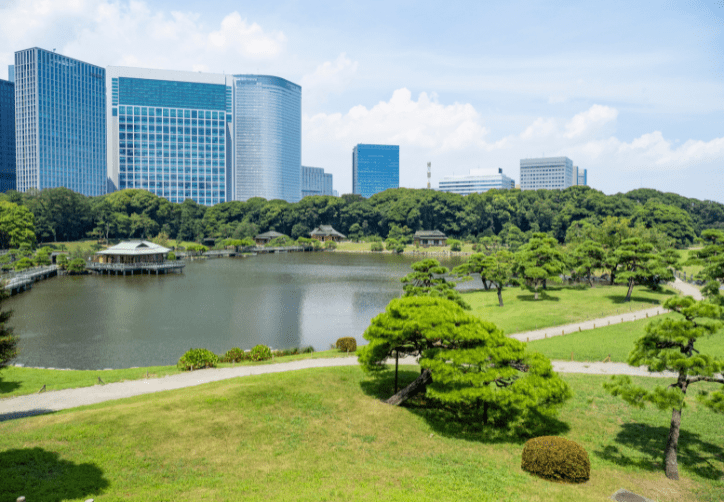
[(168, 133), (7, 136), (316, 182), (547, 173), (478, 181), (581, 176), (11, 73), (375, 168), (267, 138), (60, 123)]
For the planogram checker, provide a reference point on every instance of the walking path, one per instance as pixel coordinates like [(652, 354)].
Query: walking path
[(36, 404)]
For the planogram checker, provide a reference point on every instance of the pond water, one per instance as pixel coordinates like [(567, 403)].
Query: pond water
[(280, 300)]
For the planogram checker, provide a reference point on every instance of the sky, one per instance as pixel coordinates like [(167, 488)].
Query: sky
[(631, 91)]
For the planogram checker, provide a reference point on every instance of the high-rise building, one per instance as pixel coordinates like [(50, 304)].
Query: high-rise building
[(11, 73), (267, 138), (375, 168), (581, 176), (316, 182), (169, 133), (60, 123), (547, 173), (478, 181), (7, 136)]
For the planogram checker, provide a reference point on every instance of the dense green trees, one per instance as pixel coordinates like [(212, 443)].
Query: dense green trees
[(17, 225), (8, 340), (711, 258), (539, 260), (512, 215), (668, 345)]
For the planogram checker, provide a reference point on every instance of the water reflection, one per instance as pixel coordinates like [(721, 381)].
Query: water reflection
[(283, 301)]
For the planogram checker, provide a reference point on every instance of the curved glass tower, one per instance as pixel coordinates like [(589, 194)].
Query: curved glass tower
[(267, 138)]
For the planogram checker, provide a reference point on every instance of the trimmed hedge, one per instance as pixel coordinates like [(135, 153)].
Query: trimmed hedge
[(556, 458), (235, 355), (346, 344), (261, 353), (196, 359)]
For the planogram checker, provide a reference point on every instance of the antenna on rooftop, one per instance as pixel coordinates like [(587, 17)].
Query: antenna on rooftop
[(429, 166)]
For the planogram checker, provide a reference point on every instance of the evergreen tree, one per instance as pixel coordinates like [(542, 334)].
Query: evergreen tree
[(8, 340), (427, 279), (495, 270), (668, 345), (641, 264), (587, 257), (540, 260), (711, 258)]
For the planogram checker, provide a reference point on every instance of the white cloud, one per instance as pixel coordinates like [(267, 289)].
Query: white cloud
[(590, 121), (134, 33)]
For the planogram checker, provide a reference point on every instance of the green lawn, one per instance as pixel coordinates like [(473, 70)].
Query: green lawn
[(16, 381), (559, 305), (322, 434), (616, 340)]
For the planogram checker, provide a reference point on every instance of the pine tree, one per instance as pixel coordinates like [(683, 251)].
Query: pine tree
[(8, 341), (427, 279), (495, 270), (539, 260)]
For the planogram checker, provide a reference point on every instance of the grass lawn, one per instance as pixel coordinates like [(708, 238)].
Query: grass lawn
[(16, 381), (559, 305), (616, 340), (322, 434)]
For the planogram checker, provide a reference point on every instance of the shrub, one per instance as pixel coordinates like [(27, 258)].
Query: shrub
[(196, 359), (62, 261), (391, 244), (455, 245), (308, 350), (76, 266), (330, 245), (23, 264), (261, 353), (556, 458), (376, 246), (235, 355), (346, 344)]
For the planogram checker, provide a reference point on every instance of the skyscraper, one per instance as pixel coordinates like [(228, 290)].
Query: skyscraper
[(375, 168), (316, 182), (267, 138), (11, 73), (581, 175), (60, 123), (168, 133), (547, 173), (7, 136)]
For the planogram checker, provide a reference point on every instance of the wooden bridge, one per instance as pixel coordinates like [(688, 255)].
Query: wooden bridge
[(23, 281), (141, 267)]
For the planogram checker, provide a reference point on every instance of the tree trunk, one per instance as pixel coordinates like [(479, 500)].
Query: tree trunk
[(630, 290), (485, 412), (590, 280), (536, 291), (486, 285), (545, 284), (671, 465), (500, 296), (414, 388), (613, 277)]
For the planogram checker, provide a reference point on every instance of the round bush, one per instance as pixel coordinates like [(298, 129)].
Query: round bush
[(235, 355), (553, 457), (196, 359), (346, 344), (376, 246), (260, 353)]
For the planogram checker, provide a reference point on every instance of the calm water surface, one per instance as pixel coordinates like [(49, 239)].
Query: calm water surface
[(281, 300)]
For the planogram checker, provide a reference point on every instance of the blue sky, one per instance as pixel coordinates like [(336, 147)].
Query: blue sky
[(632, 91)]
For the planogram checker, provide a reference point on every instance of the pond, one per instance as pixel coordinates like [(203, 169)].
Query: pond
[(281, 300)]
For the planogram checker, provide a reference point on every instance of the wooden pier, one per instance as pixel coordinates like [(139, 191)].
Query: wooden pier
[(24, 280), (140, 267)]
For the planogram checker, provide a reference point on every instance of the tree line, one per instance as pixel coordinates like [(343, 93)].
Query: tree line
[(59, 214)]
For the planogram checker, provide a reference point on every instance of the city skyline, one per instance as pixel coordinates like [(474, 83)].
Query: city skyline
[(631, 92)]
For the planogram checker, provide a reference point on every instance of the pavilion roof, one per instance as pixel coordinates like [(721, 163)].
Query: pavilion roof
[(134, 248), (427, 234), (324, 230), (270, 235)]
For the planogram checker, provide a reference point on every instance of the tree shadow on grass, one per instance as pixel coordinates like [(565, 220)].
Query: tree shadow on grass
[(6, 386), (38, 474), (543, 296), (648, 442), (450, 424), (619, 299)]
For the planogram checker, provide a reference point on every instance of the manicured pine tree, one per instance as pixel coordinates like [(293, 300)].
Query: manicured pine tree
[(495, 270), (642, 264), (8, 340), (466, 362), (539, 260), (711, 258), (668, 345), (428, 279), (587, 257)]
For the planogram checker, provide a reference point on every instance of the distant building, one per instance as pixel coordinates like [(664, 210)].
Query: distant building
[(326, 233), (168, 133), (132, 252), (316, 182), (11, 73), (267, 141), (60, 123), (427, 238), (267, 237), (478, 181), (547, 173), (7, 136), (581, 176), (375, 168)]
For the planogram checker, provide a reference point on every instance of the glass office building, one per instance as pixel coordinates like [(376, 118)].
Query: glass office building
[(375, 168), (11, 73), (167, 133), (316, 182), (267, 138), (547, 173), (7, 136), (582, 176), (60, 123), (478, 181)]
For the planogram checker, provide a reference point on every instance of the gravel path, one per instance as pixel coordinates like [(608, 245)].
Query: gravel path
[(36, 404)]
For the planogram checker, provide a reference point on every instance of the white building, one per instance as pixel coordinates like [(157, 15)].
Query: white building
[(478, 181), (547, 173), (582, 176)]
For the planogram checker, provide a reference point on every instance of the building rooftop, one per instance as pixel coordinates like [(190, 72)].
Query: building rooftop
[(270, 235), (429, 234), (324, 230), (134, 248)]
